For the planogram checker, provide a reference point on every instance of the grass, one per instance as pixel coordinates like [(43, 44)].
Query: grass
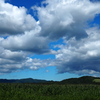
[(96, 80), (49, 92)]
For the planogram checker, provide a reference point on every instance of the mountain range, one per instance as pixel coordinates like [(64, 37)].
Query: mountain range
[(80, 80)]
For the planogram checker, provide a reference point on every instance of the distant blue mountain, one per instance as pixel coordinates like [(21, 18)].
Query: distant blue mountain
[(81, 80), (27, 80)]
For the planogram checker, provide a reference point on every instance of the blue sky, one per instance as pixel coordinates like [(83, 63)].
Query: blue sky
[(51, 39)]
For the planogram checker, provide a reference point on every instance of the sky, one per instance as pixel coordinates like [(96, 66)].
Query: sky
[(49, 39)]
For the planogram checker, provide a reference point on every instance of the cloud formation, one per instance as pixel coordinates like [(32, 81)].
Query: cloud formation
[(81, 57), (16, 61), (29, 42), (14, 20), (66, 19)]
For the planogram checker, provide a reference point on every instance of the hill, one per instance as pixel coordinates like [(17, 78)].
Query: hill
[(81, 80), (26, 80)]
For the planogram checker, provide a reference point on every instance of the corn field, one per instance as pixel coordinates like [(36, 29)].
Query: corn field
[(11, 91)]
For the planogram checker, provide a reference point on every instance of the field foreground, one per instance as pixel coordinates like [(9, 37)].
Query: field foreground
[(16, 91)]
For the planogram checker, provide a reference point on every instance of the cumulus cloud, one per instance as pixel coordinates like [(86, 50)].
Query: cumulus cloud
[(10, 61), (66, 19), (81, 57), (14, 61), (14, 20), (23, 39), (15, 56), (29, 42)]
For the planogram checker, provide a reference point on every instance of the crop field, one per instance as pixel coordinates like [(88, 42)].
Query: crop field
[(11, 91), (97, 80)]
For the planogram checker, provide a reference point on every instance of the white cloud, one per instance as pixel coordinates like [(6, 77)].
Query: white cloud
[(14, 20), (47, 71), (65, 19), (37, 63), (29, 42), (81, 57), (14, 61)]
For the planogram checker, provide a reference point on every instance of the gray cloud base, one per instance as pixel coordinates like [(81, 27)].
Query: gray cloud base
[(81, 57)]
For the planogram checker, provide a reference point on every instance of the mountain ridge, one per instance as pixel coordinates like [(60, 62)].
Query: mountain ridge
[(80, 80)]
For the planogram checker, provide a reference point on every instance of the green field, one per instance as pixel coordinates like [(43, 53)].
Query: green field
[(48, 92), (97, 80)]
